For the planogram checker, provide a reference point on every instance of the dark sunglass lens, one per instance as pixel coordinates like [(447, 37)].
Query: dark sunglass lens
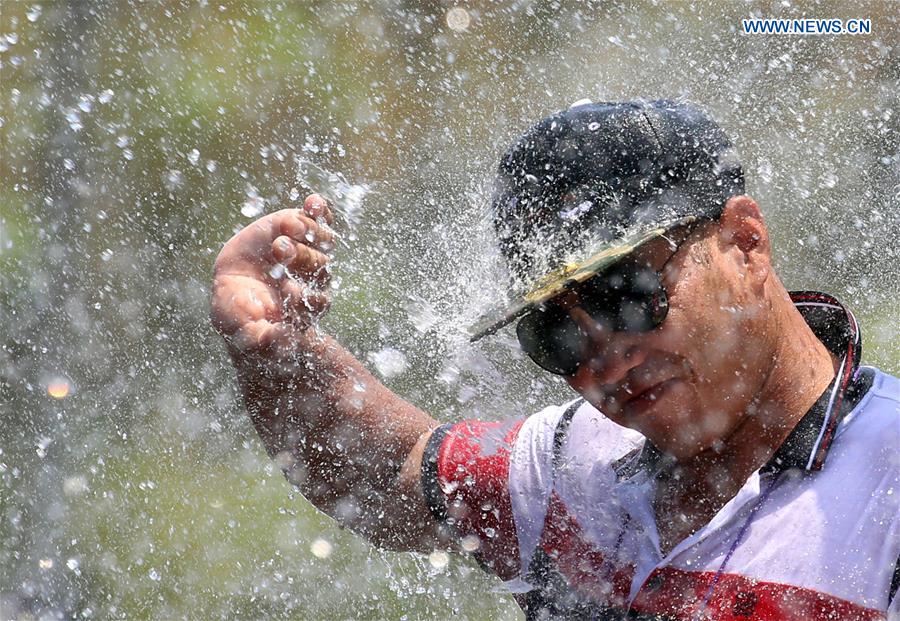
[(642, 314), (552, 340), (643, 282), (629, 299)]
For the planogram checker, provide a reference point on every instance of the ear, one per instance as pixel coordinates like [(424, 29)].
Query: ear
[(741, 226)]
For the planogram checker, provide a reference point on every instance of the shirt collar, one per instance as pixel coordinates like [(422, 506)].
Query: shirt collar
[(808, 443)]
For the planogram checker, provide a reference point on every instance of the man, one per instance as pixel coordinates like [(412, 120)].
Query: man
[(728, 458)]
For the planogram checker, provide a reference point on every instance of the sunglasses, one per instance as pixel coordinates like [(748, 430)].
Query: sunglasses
[(629, 297)]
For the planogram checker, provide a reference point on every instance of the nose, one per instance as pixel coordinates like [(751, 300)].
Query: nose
[(608, 355)]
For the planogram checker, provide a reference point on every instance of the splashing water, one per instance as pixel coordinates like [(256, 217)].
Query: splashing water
[(389, 362), (346, 198), (133, 153)]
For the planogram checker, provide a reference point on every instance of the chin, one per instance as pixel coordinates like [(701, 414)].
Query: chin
[(676, 425)]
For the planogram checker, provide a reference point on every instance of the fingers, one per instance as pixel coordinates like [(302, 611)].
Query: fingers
[(316, 206), (301, 259), (254, 336), (303, 228)]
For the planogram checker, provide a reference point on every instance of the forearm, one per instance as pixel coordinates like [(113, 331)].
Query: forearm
[(340, 436), (352, 446)]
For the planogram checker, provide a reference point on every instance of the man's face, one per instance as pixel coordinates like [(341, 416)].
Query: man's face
[(687, 384)]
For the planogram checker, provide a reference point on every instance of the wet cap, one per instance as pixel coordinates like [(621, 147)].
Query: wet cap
[(587, 186)]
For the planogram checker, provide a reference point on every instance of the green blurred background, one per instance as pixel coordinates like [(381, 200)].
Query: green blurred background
[(135, 138)]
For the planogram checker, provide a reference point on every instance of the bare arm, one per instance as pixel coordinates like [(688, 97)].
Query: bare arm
[(352, 446)]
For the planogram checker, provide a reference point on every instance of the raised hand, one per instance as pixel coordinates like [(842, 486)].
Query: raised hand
[(352, 446), (269, 286), (270, 279)]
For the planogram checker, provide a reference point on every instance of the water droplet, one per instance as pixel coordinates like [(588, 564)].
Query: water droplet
[(174, 178), (389, 362), (321, 548), (106, 96), (765, 170), (154, 575), (85, 104), (253, 207), (73, 116), (458, 19), (45, 563), (194, 156), (72, 564), (33, 13), (211, 165), (422, 314), (59, 388), (346, 198), (439, 559), (593, 126), (295, 194), (122, 141), (76, 485)]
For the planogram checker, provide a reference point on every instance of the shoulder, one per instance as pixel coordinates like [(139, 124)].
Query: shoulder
[(866, 448), (874, 424), (551, 451), (886, 391), (576, 431), (590, 428)]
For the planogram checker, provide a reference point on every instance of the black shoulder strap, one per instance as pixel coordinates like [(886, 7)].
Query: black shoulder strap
[(549, 587), (559, 436)]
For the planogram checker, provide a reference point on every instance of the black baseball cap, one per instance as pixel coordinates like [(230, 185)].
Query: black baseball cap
[(587, 186)]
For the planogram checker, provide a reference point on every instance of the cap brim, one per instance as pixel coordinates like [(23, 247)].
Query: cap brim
[(600, 258)]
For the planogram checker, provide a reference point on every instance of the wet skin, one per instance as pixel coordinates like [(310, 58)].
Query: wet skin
[(354, 453)]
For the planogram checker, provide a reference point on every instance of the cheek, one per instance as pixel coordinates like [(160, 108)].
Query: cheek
[(713, 330), (704, 327)]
